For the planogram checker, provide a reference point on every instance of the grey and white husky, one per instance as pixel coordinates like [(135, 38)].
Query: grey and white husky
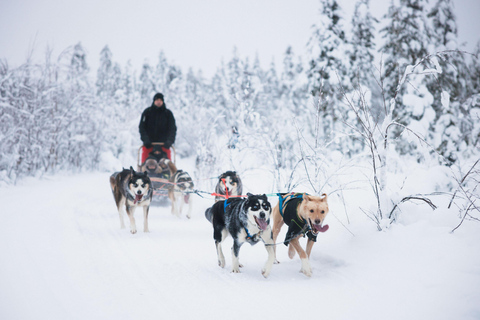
[(246, 220), (131, 190), (179, 193)]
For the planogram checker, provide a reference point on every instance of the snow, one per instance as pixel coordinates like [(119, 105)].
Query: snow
[(64, 256)]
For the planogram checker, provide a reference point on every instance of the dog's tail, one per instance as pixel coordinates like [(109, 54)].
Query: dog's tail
[(209, 214)]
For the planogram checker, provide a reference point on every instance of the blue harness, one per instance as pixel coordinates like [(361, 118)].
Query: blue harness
[(281, 200)]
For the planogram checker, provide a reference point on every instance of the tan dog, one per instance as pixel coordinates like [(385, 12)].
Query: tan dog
[(304, 214)]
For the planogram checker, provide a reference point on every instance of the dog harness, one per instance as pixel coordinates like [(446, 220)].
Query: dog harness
[(296, 225)]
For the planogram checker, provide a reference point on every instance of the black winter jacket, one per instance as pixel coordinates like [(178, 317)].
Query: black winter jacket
[(296, 225), (157, 124)]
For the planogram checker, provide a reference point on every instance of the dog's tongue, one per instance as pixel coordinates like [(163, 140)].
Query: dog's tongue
[(186, 198), (319, 228), (262, 223), (138, 198)]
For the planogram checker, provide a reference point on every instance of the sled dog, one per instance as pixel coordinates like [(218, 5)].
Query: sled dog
[(246, 220), (229, 184), (304, 215), (132, 189), (179, 193)]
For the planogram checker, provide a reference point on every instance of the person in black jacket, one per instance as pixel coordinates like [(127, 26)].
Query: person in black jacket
[(157, 124)]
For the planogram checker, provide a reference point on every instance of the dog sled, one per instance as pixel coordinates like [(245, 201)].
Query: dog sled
[(159, 168)]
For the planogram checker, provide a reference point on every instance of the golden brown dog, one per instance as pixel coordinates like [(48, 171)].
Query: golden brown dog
[(305, 215)]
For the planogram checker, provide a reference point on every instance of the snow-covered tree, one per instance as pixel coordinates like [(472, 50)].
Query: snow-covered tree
[(146, 83), (443, 35), (104, 74), (405, 44), (362, 46), (328, 64)]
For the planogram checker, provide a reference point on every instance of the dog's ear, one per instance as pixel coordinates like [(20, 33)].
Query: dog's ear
[(249, 194), (264, 196), (306, 197), (131, 170), (324, 197)]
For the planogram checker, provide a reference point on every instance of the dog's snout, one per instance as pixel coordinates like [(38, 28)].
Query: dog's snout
[(317, 221), (139, 192), (262, 215)]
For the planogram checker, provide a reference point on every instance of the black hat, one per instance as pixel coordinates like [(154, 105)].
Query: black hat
[(157, 96)]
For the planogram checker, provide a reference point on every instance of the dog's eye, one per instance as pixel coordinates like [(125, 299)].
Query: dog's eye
[(255, 207), (135, 185), (323, 211), (311, 210), (266, 206), (143, 185)]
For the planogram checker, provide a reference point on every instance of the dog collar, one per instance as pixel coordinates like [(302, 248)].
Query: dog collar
[(249, 236)]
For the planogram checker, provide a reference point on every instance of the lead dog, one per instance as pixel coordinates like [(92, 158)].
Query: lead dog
[(304, 214), (246, 220), (229, 184), (179, 193), (131, 190)]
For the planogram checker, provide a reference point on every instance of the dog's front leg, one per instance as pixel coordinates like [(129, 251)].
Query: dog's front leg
[(180, 206), (171, 195), (277, 226), (130, 213), (120, 213), (145, 218), (269, 245), (310, 244), (306, 268), (189, 212), (235, 253)]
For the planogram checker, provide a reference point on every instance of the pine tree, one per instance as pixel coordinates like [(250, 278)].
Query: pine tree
[(362, 46), (404, 45), (104, 73), (147, 84), (443, 31), (327, 72)]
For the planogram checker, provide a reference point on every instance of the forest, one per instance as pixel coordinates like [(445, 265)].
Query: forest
[(379, 100)]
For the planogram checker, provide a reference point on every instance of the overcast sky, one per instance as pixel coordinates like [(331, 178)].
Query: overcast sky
[(192, 33)]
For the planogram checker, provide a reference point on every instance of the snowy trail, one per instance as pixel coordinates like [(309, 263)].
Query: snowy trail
[(64, 256)]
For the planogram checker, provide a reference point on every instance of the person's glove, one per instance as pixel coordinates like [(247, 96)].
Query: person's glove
[(147, 144)]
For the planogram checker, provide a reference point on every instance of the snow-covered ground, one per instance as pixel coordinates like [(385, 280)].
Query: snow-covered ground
[(64, 256)]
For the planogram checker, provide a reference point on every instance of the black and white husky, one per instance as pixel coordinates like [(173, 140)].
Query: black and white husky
[(179, 193), (132, 189), (246, 220), (229, 184)]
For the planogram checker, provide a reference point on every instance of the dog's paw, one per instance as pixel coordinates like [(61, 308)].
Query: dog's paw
[(235, 270), (306, 268), (133, 230), (266, 272), (221, 264), (276, 262), (308, 273)]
